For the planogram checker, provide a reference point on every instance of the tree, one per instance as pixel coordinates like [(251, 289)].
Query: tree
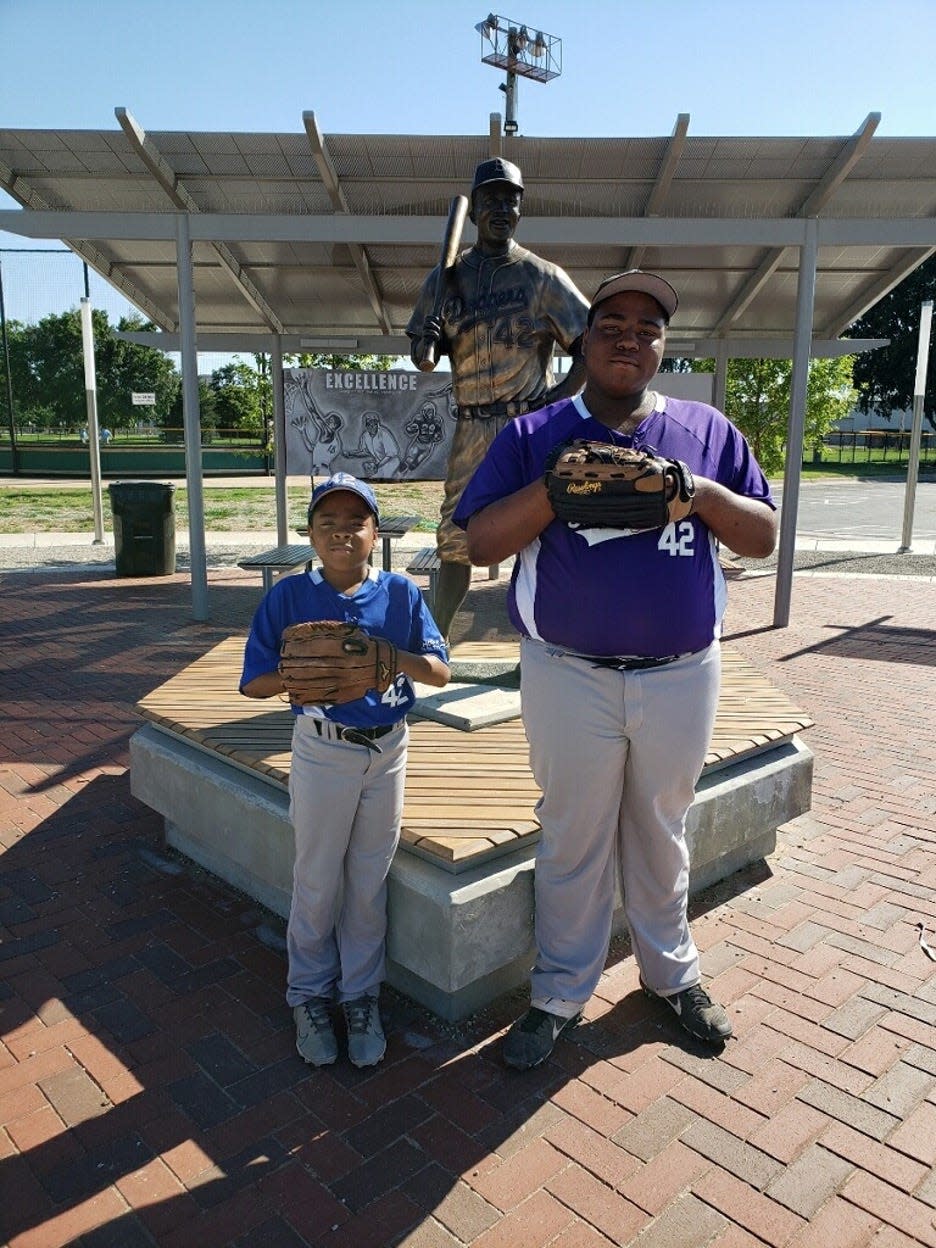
[(20, 383), (354, 362), (130, 369), (757, 399), (885, 377), (173, 424), (49, 385), (47, 371), (241, 396)]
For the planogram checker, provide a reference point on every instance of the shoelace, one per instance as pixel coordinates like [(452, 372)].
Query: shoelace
[(317, 1014), (695, 996), (358, 1014)]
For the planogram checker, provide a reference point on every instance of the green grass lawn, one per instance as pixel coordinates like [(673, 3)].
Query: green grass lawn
[(70, 509)]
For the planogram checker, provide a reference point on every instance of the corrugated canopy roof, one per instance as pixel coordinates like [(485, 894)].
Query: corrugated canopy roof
[(328, 238)]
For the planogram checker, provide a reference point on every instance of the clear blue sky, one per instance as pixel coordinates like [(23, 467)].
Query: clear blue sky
[(375, 66), (773, 67)]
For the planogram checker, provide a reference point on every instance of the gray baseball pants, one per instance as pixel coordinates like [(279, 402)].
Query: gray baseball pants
[(617, 755), (346, 802)]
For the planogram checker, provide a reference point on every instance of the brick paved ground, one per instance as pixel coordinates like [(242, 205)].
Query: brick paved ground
[(150, 1092)]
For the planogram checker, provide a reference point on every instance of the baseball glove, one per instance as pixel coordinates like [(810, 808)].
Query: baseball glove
[(326, 661), (596, 485)]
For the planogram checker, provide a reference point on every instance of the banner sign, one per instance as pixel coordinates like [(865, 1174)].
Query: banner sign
[(383, 426)]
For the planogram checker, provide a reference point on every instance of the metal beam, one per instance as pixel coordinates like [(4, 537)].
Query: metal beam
[(332, 184), (171, 184), (20, 189), (750, 289), (664, 179), (805, 302), (191, 419), (849, 155), (841, 167), (424, 230), (279, 442), (879, 288), (757, 348)]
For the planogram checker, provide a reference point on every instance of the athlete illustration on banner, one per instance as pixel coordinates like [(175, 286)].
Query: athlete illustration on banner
[(426, 429), (378, 448), (321, 435)]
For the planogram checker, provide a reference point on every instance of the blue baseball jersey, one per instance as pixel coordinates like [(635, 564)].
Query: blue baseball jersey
[(386, 605), (608, 591)]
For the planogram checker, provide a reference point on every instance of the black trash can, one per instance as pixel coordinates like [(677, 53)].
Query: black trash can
[(144, 527)]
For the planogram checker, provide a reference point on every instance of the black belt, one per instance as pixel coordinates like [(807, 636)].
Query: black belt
[(357, 736), (627, 664), (485, 411)]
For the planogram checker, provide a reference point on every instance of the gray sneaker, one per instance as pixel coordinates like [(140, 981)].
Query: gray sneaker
[(532, 1038), (315, 1037), (366, 1041), (698, 1013)]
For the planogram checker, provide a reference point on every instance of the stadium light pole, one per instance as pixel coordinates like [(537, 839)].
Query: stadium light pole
[(507, 44)]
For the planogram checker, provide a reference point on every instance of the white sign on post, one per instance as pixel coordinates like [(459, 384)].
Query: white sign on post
[(144, 398)]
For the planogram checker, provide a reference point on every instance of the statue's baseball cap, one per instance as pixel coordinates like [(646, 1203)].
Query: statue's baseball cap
[(497, 170), (637, 279), (344, 481)]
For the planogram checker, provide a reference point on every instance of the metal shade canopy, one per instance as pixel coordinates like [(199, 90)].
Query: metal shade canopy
[(311, 242)]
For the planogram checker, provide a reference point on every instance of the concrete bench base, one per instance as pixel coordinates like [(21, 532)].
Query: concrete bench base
[(455, 941)]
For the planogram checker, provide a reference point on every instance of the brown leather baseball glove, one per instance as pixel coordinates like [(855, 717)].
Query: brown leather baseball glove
[(594, 485), (327, 661)]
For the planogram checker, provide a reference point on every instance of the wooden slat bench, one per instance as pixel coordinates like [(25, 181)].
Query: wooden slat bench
[(426, 562), (392, 528), (279, 559), (216, 766)]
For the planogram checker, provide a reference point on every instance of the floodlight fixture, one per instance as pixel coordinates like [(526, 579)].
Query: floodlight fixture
[(507, 44)]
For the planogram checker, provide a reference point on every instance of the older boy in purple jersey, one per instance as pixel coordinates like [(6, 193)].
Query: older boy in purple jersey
[(619, 664)]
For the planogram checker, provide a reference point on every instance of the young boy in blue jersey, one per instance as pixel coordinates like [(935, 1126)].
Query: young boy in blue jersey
[(348, 770)]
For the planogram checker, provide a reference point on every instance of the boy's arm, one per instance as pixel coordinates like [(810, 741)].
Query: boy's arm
[(265, 686), (747, 526), (428, 669), (504, 527)]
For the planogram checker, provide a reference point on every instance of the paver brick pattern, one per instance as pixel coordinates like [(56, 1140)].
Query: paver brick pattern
[(150, 1093)]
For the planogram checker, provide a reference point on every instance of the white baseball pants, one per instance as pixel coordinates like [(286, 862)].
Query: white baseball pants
[(346, 802), (617, 755)]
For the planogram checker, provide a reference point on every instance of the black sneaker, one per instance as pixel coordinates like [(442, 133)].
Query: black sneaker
[(366, 1041), (315, 1036), (697, 1013), (532, 1038)]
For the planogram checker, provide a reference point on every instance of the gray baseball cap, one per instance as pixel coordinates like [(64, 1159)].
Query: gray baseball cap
[(637, 279), (497, 170)]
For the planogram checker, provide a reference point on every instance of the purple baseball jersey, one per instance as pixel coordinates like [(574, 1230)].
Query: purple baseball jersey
[(607, 591)]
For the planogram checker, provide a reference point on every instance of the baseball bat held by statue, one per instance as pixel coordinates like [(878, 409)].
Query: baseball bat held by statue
[(450, 244)]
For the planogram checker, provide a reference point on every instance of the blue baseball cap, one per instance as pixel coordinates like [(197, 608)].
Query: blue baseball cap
[(344, 481)]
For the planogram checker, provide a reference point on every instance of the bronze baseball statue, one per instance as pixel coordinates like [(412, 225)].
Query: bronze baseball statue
[(498, 313)]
